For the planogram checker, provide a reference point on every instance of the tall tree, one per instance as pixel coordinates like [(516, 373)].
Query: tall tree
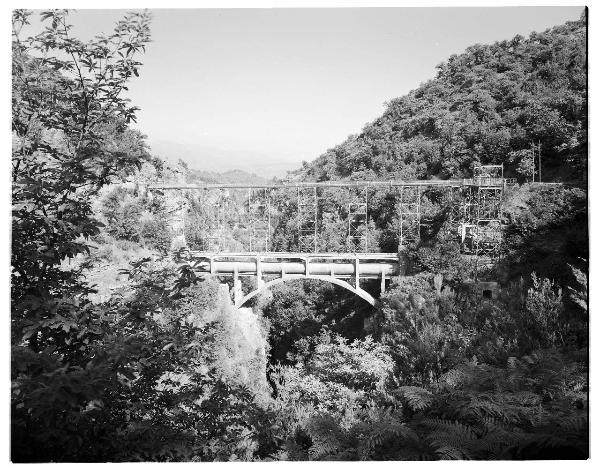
[(70, 137)]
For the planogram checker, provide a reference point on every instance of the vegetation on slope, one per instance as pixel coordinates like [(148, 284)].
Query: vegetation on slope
[(487, 105)]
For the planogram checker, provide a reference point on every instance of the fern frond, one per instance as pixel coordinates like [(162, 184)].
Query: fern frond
[(326, 435), (417, 398), (451, 439), (450, 453), (576, 423)]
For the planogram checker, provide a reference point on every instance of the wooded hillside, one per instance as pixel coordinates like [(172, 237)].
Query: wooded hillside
[(487, 105)]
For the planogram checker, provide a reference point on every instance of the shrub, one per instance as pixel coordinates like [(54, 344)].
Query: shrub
[(156, 233), (543, 309), (423, 340)]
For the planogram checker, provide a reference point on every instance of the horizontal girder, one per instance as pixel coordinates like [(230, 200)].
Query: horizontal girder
[(495, 182)]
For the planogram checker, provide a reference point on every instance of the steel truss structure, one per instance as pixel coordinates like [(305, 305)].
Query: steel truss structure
[(259, 214), (358, 219), (409, 212), (481, 230), (307, 219), (219, 216), (454, 199), (473, 211)]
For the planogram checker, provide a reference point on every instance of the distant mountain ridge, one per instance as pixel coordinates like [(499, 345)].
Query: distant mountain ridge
[(216, 160), (230, 176)]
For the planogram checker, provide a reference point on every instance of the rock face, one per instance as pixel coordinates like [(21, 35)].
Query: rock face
[(240, 344), (251, 348), (236, 346), (246, 353)]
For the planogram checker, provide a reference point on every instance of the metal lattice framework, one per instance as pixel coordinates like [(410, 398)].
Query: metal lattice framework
[(453, 202), (358, 238), (259, 213), (473, 209), (481, 230), (218, 218), (307, 219), (410, 215), (489, 204), (474, 220)]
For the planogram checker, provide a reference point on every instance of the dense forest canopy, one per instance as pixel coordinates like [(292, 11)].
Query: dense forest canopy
[(485, 106), (123, 352)]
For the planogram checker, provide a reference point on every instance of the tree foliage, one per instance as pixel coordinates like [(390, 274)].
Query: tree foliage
[(70, 137)]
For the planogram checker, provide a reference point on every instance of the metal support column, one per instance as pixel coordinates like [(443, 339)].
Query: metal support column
[(259, 278), (213, 217), (307, 219), (484, 226), (382, 280), (454, 199), (489, 234), (410, 215), (237, 287), (259, 212), (358, 220)]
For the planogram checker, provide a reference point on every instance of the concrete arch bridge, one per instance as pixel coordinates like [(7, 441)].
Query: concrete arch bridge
[(269, 269)]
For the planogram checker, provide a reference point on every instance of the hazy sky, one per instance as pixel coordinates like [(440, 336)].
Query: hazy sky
[(264, 89)]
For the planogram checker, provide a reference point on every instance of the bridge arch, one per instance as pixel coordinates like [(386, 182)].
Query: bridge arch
[(330, 279)]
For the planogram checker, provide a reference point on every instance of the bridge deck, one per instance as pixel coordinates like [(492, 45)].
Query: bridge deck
[(336, 265)]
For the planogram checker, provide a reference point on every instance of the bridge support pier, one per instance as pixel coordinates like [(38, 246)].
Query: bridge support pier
[(259, 279), (238, 294)]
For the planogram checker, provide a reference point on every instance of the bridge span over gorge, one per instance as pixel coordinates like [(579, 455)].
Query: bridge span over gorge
[(269, 269), (257, 212)]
